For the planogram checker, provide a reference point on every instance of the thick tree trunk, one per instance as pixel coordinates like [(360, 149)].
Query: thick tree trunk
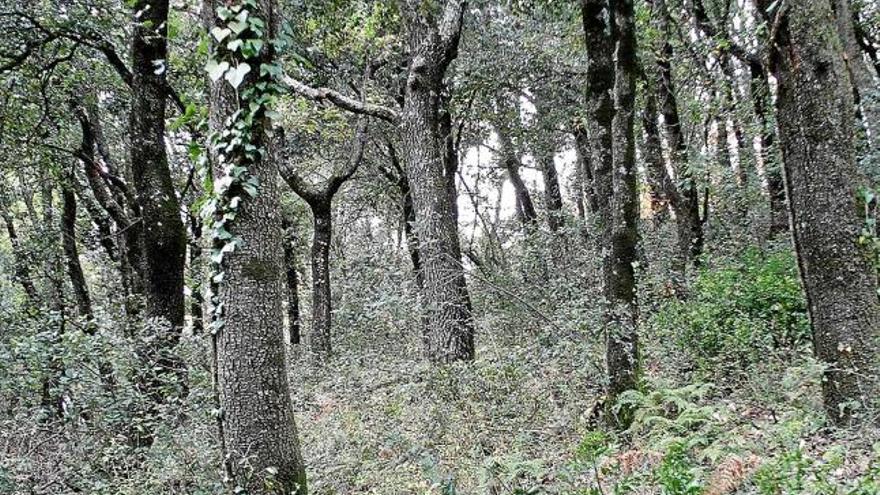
[(160, 231), (815, 114), (622, 350), (71, 253), (319, 338), (449, 327), (163, 235), (260, 444), (611, 90)]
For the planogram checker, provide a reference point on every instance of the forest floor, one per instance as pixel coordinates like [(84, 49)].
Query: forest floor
[(525, 417)]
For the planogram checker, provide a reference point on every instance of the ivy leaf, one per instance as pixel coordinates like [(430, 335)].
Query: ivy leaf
[(236, 76), (234, 45), (240, 23), (220, 33), (216, 70)]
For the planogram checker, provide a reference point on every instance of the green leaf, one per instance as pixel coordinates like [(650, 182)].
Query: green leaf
[(216, 70), (236, 76), (234, 45), (220, 33)]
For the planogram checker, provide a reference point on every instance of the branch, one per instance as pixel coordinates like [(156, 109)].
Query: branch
[(341, 100), (354, 160)]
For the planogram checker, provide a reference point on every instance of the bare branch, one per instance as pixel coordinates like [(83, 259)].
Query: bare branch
[(341, 100)]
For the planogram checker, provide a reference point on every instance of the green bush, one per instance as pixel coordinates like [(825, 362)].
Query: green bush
[(739, 310)]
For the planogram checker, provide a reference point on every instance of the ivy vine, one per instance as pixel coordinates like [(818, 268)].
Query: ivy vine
[(239, 50)]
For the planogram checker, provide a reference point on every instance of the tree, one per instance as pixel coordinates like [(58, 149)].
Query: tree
[(162, 232), (260, 445), (429, 153), (609, 28), (816, 123), (432, 36), (683, 197), (320, 200)]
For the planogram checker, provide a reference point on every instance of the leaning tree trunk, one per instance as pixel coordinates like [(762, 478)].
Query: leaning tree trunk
[(319, 338), (160, 231), (260, 445), (760, 93), (71, 253), (816, 121), (449, 326), (686, 205), (545, 151)]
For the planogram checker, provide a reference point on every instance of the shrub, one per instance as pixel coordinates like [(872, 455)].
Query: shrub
[(738, 311)]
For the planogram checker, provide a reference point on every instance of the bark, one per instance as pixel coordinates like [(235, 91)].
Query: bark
[(196, 275), (585, 167), (687, 206), (319, 340), (662, 189), (866, 42), (71, 253), (545, 151), (293, 318), (160, 233), (397, 176), (22, 268), (859, 73), (432, 35), (611, 89), (320, 200), (815, 114), (258, 430), (161, 229), (511, 162), (760, 94)]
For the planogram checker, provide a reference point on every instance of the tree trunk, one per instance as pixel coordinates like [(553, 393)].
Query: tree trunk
[(659, 182), (71, 253), (622, 350), (687, 205), (449, 327), (545, 151), (815, 114), (293, 318), (611, 90), (22, 268), (160, 231), (196, 275), (760, 94), (319, 338), (260, 444), (409, 225), (511, 162)]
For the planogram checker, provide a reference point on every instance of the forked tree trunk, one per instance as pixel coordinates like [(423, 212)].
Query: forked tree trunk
[(260, 444), (816, 121)]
